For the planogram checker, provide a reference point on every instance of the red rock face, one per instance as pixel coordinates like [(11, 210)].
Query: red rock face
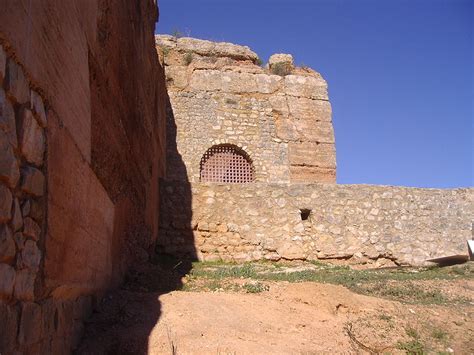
[(89, 73)]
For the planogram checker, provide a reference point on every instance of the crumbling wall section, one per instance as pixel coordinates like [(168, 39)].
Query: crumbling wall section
[(361, 224)]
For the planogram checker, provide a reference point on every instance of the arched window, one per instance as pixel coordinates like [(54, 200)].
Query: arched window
[(226, 163)]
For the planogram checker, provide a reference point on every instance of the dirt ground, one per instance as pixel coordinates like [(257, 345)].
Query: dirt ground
[(227, 309)]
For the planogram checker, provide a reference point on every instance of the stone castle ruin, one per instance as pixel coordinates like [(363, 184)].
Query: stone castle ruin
[(257, 147), (109, 151)]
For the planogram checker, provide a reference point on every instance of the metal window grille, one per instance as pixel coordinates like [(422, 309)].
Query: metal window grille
[(227, 164)]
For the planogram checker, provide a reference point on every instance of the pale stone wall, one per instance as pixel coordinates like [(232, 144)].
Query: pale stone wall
[(218, 94), (360, 223)]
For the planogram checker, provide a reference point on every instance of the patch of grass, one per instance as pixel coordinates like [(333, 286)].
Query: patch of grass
[(439, 334), (412, 347), (385, 317), (281, 69), (412, 333), (166, 50), (395, 284), (256, 287), (406, 292), (231, 101)]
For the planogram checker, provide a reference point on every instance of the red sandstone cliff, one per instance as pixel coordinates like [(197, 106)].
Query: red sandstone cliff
[(95, 66)]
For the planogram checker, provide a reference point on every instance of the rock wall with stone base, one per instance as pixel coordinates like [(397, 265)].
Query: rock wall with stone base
[(82, 141), (361, 224), (279, 115)]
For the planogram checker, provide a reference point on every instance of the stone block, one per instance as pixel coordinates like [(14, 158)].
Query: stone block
[(285, 128), (6, 200), (215, 49), (177, 76), (32, 181), (31, 229), (7, 281), (16, 83), (81, 219), (214, 80), (291, 251), (30, 330), (24, 289), (306, 86), (37, 107), (268, 84), (7, 120), (37, 209), (26, 208), (30, 256), (206, 80), (32, 138), (313, 110), (312, 154), (273, 256), (312, 174), (280, 58), (9, 169), (19, 239), (310, 131), (239, 82), (7, 245), (17, 219)]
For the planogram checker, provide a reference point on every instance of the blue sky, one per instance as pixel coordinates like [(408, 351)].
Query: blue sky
[(400, 75)]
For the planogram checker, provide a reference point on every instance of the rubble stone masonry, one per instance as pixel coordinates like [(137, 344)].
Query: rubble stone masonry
[(361, 224), (280, 115)]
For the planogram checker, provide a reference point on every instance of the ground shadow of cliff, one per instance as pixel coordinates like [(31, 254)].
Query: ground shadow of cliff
[(124, 320)]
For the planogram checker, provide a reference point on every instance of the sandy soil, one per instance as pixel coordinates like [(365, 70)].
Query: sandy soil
[(289, 318)]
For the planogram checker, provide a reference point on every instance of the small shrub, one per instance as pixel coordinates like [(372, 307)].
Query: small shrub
[(188, 58), (412, 347), (177, 33), (231, 101), (256, 287), (412, 333), (281, 69), (439, 334), (259, 62), (166, 50)]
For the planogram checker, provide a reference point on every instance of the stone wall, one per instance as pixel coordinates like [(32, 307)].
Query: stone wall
[(279, 115), (82, 140), (362, 224)]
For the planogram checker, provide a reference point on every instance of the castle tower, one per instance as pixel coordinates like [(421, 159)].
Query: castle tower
[(232, 120)]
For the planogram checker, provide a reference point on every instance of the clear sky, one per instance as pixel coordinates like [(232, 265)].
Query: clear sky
[(400, 75)]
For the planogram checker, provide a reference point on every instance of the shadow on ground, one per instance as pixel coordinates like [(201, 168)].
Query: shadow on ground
[(124, 319)]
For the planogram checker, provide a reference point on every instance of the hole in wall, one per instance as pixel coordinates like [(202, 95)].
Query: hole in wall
[(305, 213)]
